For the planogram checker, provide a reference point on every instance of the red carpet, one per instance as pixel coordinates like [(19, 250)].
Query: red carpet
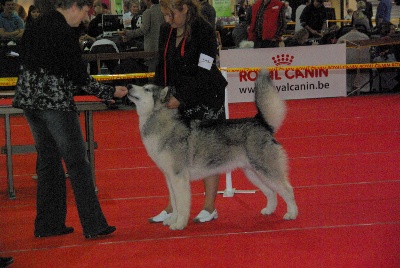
[(344, 165)]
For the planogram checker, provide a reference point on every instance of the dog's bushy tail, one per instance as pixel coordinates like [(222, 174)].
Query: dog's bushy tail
[(269, 104)]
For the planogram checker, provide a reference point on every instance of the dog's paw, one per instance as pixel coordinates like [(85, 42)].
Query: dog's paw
[(180, 223), (177, 226), (171, 220), (267, 211), (292, 212), (290, 216)]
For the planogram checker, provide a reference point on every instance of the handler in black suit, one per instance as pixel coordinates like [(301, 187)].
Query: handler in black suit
[(187, 52)]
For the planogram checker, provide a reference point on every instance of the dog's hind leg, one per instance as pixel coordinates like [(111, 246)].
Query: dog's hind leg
[(284, 189), (271, 168), (280, 184), (272, 200)]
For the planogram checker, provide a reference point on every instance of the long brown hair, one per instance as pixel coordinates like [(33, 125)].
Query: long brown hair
[(194, 11)]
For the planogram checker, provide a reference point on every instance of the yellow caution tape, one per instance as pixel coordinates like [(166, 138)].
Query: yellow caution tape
[(12, 81), (122, 76), (318, 67), (8, 81)]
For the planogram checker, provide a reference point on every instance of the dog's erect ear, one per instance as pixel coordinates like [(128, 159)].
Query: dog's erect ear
[(165, 94)]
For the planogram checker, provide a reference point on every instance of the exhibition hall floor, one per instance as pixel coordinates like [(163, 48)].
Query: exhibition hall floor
[(344, 158)]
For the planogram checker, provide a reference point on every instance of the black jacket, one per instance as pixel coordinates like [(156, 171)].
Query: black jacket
[(95, 27), (52, 70), (194, 85)]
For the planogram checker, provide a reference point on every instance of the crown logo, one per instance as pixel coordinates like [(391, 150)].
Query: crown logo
[(283, 59)]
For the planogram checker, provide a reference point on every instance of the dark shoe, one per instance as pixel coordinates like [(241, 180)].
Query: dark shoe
[(4, 262), (65, 231), (107, 231)]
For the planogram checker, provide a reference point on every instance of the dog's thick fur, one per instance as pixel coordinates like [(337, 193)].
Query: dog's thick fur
[(185, 153)]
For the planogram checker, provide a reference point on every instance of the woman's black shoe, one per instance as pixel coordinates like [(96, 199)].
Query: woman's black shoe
[(4, 262), (107, 231), (65, 231)]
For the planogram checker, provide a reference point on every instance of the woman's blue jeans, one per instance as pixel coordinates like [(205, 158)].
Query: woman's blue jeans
[(58, 136)]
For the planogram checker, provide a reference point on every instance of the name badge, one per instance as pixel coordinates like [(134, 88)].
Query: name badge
[(205, 61)]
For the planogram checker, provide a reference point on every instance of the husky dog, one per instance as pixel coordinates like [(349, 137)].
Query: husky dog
[(195, 150)]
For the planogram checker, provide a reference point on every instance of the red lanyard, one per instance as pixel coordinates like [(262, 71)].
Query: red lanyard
[(183, 47), (165, 54)]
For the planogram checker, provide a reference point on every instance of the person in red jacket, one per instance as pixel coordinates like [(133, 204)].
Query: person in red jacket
[(267, 24)]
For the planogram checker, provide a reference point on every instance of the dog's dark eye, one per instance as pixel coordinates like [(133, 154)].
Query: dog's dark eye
[(147, 89)]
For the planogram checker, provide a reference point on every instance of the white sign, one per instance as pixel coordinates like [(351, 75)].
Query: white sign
[(291, 84)]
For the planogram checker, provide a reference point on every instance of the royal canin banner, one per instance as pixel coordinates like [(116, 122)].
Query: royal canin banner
[(302, 82)]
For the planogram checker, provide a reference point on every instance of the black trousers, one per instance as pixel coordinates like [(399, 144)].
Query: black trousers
[(58, 137)]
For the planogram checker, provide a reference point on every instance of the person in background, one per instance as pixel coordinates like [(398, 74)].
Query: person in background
[(210, 15), (386, 53), (359, 17), (368, 11), (105, 8), (353, 35), (51, 73), (187, 57), (298, 39), (239, 33), (383, 12), (136, 23), (241, 13), (208, 12), (137, 14), (330, 36), (95, 11), (267, 24), (96, 24), (152, 19), (20, 11), (33, 14), (127, 15), (299, 10), (85, 40), (349, 15), (11, 25), (314, 17), (288, 11), (356, 78)]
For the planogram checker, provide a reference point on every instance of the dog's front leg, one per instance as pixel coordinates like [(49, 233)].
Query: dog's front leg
[(180, 199), (174, 215)]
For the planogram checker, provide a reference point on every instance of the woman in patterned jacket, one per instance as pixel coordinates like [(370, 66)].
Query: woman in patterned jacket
[(52, 71)]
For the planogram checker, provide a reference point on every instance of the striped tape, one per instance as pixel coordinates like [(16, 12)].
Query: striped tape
[(11, 81), (109, 77), (318, 67)]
